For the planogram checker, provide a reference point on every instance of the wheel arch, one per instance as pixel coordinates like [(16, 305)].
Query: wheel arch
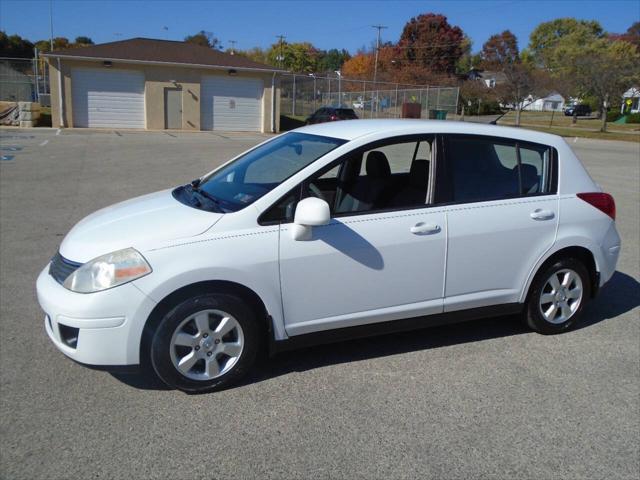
[(580, 252), (202, 288)]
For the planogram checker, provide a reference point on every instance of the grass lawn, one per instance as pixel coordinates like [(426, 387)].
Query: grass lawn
[(586, 127)]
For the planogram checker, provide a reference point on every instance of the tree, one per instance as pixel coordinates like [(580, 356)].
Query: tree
[(332, 60), (360, 66), (604, 70), (501, 53), (204, 39), (500, 50), (551, 42), (82, 42), (632, 35), (429, 41), (256, 54), (61, 43), (295, 57), (15, 46)]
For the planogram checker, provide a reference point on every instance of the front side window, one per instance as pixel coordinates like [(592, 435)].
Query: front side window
[(389, 176), (485, 168), (256, 173)]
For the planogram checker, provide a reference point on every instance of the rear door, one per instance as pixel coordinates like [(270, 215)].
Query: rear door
[(502, 216)]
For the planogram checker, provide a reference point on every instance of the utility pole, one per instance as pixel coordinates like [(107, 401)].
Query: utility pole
[(375, 65), (51, 24), (280, 57), (233, 46)]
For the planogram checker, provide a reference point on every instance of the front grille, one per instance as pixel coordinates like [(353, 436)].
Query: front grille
[(61, 268)]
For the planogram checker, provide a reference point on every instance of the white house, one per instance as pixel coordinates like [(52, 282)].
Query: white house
[(552, 102), (631, 98)]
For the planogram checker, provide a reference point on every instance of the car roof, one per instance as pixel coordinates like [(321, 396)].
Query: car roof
[(353, 129)]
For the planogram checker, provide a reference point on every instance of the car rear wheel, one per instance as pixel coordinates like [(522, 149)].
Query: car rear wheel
[(205, 343), (558, 295)]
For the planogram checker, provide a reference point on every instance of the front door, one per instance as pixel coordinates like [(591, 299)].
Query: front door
[(381, 257), (173, 108)]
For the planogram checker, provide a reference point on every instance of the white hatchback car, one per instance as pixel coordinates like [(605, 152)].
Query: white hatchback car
[(340, 229)]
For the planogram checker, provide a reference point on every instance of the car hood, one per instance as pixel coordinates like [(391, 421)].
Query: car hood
[(140, 223)]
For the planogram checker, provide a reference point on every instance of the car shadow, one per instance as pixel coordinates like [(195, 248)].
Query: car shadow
[(620, 295)]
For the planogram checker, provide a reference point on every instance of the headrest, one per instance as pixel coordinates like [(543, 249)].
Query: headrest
[(419, 173), (378, 165)]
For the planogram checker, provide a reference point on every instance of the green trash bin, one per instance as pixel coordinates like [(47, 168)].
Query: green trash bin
[(441, 114), (437, 114)]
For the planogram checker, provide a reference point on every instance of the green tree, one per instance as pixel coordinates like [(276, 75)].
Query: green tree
[(430, 42), (603, 69), (204, 39), (256, 54), (295, 57), (551, 42), (332, 60)]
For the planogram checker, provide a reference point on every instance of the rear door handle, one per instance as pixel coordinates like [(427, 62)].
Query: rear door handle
[(425, 228), (540, 214)]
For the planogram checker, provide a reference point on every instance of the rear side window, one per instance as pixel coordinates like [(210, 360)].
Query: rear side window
[(486, 168)]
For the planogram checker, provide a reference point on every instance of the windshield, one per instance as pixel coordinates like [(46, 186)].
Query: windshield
[(256, 173)]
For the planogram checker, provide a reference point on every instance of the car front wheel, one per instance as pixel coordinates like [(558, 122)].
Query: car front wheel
[(558, 296), (205, 343)]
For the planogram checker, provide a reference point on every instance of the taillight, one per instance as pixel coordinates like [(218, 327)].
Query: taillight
[(333, 118), (602, 201)]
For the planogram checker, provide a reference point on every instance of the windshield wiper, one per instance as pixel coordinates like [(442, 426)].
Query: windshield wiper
[(195, 188)]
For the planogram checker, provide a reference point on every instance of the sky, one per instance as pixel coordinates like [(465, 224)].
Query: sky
[(326, 24)]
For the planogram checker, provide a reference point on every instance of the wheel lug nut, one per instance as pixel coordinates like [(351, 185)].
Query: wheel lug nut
[(216, 341), (208, 354), (197, 348), (205, 335)]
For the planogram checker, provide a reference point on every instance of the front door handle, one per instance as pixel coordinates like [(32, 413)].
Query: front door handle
[(425, 228), (540, 214)]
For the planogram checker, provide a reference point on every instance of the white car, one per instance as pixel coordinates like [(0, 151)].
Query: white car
[(333, 230)]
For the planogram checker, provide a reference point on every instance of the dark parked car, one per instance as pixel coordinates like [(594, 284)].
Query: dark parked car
[(578, 110), (331, 114)]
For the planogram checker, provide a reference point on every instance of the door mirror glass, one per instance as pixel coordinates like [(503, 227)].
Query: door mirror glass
[(310, 212)]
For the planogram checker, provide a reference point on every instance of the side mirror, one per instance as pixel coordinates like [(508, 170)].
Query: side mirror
[(310, 212)]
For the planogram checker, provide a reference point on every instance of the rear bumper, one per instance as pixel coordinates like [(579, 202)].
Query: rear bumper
[(102, 328), (609, 253)]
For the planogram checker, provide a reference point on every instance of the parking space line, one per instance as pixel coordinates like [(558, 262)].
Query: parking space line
[(44, 143)]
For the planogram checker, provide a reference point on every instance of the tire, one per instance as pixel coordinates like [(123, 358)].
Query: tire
[(206, 343), (557, 297)]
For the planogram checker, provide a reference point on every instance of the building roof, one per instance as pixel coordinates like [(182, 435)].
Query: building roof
[(148, 50)]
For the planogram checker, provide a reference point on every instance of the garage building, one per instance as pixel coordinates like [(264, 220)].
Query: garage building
[(152, 84)]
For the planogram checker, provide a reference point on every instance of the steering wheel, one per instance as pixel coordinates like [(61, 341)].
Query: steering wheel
[(315, 191)]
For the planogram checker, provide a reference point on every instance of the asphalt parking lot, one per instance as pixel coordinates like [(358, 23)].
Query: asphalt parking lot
[(487, 399)]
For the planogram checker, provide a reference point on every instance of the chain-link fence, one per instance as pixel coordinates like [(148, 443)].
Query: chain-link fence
[(301, 95), (23, 80)]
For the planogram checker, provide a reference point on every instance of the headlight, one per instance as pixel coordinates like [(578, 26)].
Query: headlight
[(108, 271)]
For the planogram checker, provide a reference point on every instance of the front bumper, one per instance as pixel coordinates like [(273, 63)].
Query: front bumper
[(102, 328)]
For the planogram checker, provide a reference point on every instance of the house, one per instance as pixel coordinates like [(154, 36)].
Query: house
[(631, 101), (144, 83), (550, 103), (490, 78)]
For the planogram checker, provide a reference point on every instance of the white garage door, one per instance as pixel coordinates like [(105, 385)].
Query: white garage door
[(107, 98), (231, 103)]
